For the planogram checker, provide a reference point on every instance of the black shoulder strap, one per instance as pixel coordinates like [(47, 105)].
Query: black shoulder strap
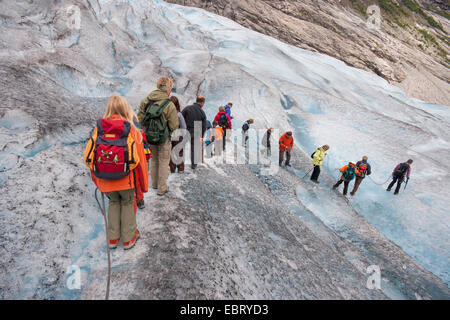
[(126, 129), (100, 131), (149, 103), (165, 103)]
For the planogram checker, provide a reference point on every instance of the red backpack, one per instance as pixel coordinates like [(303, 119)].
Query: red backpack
[(362, 170), (111, 151)]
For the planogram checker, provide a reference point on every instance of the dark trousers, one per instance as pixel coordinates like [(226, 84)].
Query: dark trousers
[(224, 138), (346, 183), (244, 139), (399, 181), (316, 173), (358, 181), (195, 152), (245, 145), (173, 166), (288, 157)]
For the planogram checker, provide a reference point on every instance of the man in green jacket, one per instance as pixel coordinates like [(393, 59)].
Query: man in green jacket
[(318, 157), (159, 167)]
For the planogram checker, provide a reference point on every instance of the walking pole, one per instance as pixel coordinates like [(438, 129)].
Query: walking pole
[(308, 173), (406, 183), (103, 210)]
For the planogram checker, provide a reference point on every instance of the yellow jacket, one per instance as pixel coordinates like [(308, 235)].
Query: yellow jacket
[(318, 156)]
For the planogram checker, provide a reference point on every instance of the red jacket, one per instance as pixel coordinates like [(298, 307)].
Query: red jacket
[(286, 143), (217, 118)]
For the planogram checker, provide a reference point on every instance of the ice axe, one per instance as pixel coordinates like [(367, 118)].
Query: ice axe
[(406, 183)]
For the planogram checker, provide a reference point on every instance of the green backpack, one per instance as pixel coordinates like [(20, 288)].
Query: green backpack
[(155, 128)]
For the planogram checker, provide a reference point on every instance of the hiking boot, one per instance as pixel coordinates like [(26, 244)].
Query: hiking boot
[(288, 165), (334, 187), (141, 204), (161, 193), (154, 187), (315, 181), (180, 171), (352, 193), (193, 166), (130, 244), (113, 243), (396, 192), (388, 189)]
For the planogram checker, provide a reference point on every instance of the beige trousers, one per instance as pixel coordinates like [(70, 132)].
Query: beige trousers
[(121, 217), (159, 167)]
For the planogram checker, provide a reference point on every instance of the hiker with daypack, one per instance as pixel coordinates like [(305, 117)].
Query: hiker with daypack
[(115, 155), (348, 173), (401, 171), (245, 128), (227, 109), (317, 161), (158, 116), (224, 121), (180, 165), (194, 113), (286, 143), (363, 169), (266, 142)]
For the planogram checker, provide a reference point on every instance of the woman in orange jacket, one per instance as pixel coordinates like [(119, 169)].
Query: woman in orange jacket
[(286, 144), (115, 154), (348, 173)]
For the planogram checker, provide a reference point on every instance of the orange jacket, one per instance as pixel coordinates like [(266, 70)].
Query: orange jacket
[(139, 173), (286, 143), (344, 168), (218, 133)]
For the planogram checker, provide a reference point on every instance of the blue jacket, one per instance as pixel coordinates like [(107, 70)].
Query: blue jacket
[(228, 111)]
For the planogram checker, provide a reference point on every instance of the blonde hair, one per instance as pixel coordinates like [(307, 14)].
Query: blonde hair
[(221, 109), (164, 84), (119, 106)]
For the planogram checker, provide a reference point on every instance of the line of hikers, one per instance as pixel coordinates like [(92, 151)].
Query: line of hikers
[(358, 172), (122, 143)]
